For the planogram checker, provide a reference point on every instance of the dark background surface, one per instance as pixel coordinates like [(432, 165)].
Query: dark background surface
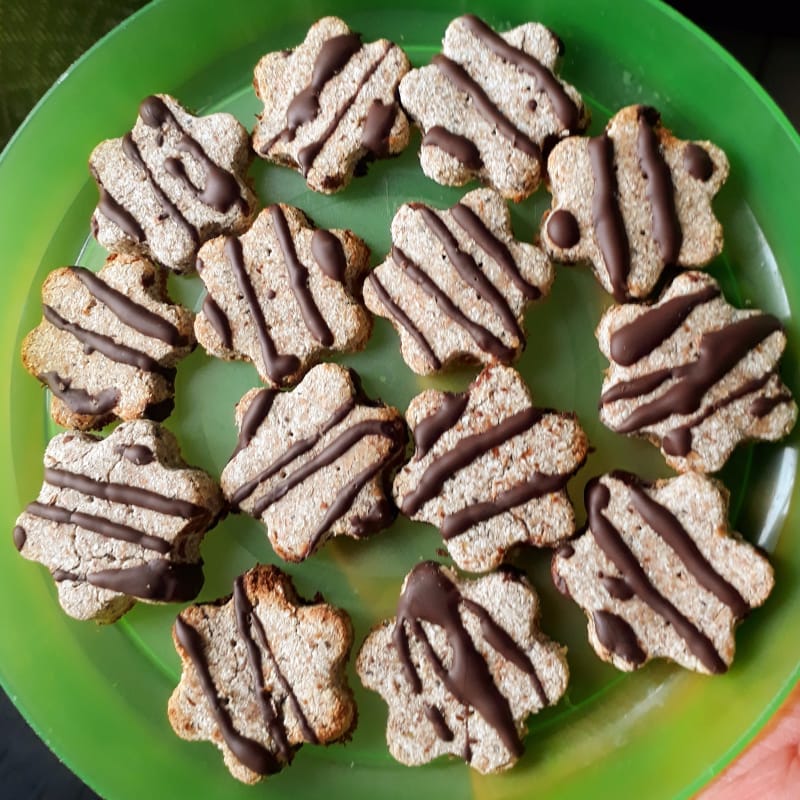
[(39, 39)]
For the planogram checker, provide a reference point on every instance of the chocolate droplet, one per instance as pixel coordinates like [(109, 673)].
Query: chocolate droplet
[(698, 162), (563, 229), (20, 537)]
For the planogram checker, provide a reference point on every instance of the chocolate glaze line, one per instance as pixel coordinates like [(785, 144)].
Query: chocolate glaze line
[(131, 313), (308, 155), (436, 718), (636, 387), (118, 214), (609, 226), (655, 325), (219, 321), (404, 321), (430, 597), (495, 248), (465, 452), (96, 524), (617, 636), (20, 537), (459, 147), (298, 279), (666, 525), (378, 127), (253, 418), (138, 454), (251, 753), (659, 189), (161, 581), (388, 429), (432, 428), (697, 162), (719, 352), (563, 105), (483, 104), (483, 337), (611, 542), (278, 367), (297, 449), (120, 353), (79, 400), (329, 254), (122, 493), (763, 406), (131, 150), (537, 485), (618, 588), (468, 270)]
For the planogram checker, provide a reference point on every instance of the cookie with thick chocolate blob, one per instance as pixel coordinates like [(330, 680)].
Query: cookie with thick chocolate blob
[(171, 183), (314, 462), (490, 470), (456, 283), (330, 104), (632, 201), (490, 103), (461, 667), (118, 520), (263, 674), (109, 343), (693, 374), (659, 573), (283, 295)]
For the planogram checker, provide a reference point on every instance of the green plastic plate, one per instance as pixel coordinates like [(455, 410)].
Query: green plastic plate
[(97, 695)]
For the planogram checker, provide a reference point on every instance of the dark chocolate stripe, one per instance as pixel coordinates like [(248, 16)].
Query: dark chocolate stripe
[(298, 279), (329, 254), (669, 528), (610, 540), (493, 247), (624, 390), (218, 321), (404, 321), (277, 366), (483, 337), (609, 226), (719, 352), (430, 597), (465, 452), (253, 418), (437, 720), (133, 314), (111, 349), (462, 80), (618, 588), (119, 215), (432, 428), (308, 155), (138, 454), (131, 150), (655, 325), (538, 485), (469, 271), (697, 162), (389, 429), (297, 449), (763, 406), (101, 525), (459, 147), (79, 400), (617, 636), (378, 127), (122, 493), (20, 537), (660, 194), (562, 103), (160, 581), (251, 753)]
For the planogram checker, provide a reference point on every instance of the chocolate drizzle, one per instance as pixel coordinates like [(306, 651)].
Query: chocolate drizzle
[(611, 542), (563, 105), (218, 321), (253, 418), (138, 454), (617, 636), (459, 147), (79, 400), (697, 162), (20, 537), (160, 581), (618, 588), (430, 597), (432, 428), (329, 254), (119, 215), (378, 126)]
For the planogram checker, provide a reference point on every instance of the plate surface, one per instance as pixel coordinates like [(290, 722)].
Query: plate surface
[(98, 695)]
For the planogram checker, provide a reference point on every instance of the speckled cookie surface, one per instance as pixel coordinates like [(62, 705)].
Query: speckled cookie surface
[(109, 343), (456, 283), (313, 463), (171, 183), (461, 667), (659, 574), (119, 519), (489, 103), (490, 470), (263, 673), (283, 295), (330, 104), (633, 200), (693, 374)]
